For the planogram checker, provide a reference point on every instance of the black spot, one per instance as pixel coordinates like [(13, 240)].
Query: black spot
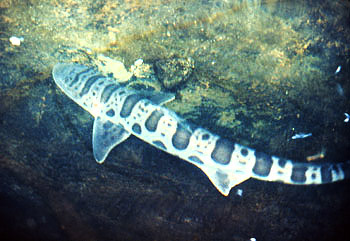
[(106, 125), (337, 170), (159, 144), (298, 173), (244, 151), (222, 151), (89, 82), (76, 78), (136, 128), (345, 167), (152, 120), (195, 159), (181, 138), (205, 137), (326, 173), (263, 164), (282, 162), (129, 104), (313, 176), (107, 92), (110, 113)]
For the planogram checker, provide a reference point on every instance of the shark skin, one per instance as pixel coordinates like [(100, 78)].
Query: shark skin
[(120, 112)]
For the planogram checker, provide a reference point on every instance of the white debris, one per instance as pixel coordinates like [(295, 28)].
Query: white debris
[(141, 69), (116, 68), (337, 70), (347, 117), (239, 192), (317, 156), (339, 89), (138, 62), (301, 135), (16, 41), (252, 239)]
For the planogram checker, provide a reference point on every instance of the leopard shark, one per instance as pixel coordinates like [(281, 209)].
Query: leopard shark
[(120, 112)]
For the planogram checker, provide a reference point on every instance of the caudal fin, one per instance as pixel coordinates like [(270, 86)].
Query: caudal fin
[(299, 173)]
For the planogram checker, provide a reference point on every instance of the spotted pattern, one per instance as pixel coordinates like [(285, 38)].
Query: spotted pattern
[(181, 138), (136, 128), (313, 174), (223, 151), (326, 174), (298, 173), (244, 152), (345, 168), (89, 82), (129, 104), (262, 165), (110, 113), (77, 76), (107, 92), (153, 119), (282, 162), (159, 144), (205, 137), (195, 159)]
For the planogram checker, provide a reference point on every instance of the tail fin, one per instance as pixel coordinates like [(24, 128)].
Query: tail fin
[(244, 163), (299, 173)]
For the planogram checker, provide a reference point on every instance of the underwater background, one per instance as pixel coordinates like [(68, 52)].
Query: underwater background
[(257, 72)]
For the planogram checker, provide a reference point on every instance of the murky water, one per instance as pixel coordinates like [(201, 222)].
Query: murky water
[(256, 72)]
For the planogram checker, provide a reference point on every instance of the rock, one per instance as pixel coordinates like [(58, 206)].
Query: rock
[(174, 71)]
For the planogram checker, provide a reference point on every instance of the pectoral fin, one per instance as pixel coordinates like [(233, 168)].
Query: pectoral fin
[(105, 136)]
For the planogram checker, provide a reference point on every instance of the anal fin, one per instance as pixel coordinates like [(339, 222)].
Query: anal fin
[(224, 178)]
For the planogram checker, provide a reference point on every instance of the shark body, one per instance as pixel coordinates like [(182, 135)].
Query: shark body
[(120, 112)]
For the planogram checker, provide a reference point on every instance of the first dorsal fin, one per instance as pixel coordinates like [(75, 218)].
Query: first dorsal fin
[(159, 98)]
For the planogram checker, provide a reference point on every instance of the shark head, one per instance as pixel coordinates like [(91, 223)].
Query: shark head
[(68, 78), (83, 84)]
